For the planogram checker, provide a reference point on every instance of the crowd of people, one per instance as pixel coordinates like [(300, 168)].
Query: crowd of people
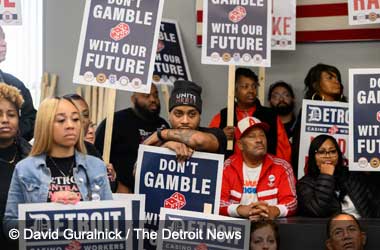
[(64, 164)]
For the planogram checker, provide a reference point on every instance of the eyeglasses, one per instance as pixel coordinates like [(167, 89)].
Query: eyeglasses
[(323, 152), (277, 96)]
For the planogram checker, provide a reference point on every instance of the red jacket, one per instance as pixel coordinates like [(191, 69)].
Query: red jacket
[(276, 184)]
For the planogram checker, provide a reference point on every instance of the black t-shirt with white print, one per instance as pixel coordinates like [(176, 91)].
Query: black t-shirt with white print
[(62, 178)]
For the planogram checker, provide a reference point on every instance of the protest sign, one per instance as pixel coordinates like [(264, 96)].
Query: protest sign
[(87, 225), (168, 183), (118, 43), (181, 229), (10, 12), (171, 62), (138, 213), (363, 11), (237, 32), (320, 117), (284, 25), (364, 100)]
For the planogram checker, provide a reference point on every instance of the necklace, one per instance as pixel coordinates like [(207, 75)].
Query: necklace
[(13, 159), (62, 173)]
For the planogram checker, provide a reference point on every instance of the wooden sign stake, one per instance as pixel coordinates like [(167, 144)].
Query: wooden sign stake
[(231, 102)]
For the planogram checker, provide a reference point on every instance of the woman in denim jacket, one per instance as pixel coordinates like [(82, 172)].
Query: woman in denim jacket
[(57, 170)]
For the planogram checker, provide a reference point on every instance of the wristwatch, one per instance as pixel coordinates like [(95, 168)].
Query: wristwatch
[(159, 135)]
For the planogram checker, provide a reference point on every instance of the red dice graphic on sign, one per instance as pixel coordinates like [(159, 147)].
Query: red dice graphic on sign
[(378, 116), (74, 245), (333, 130), (201, 246), (120, 31), (160, 46), (175, 201), (237, 14)]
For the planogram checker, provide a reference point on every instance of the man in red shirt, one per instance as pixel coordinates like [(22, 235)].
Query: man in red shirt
[(246, 83), (257, 184)]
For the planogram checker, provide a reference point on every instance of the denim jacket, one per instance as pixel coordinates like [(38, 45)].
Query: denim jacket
[(31, 179)]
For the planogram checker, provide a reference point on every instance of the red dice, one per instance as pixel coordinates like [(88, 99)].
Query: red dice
[(333, 130), (175, 201), (120, 31), (237, 14), (160, 46), (74, 245)]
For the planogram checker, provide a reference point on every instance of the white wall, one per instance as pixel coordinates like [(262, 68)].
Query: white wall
[(63, 22)]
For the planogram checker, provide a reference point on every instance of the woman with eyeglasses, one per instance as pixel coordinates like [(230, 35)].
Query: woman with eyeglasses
[(57, 170), (329, 187)]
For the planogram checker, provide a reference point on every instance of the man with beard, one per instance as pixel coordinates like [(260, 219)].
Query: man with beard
[(281, 100), (246, 104), (131, 127), (185, 134)]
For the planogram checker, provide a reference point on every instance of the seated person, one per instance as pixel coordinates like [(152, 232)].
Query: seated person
[(344, 232), (257, 184), (264, 235), (329, 187)]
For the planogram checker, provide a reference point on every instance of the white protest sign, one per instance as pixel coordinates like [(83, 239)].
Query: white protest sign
[(118, 43), (10, 12), (363, 11), (237, 32)]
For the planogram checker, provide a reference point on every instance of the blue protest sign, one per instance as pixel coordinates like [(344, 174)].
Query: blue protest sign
[(117, 45), (171, 62), (193, 230), (167, 183), (138, 214), (364, 142), (86, 225)]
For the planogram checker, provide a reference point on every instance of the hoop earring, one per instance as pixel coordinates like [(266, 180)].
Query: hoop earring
[(315, 94)]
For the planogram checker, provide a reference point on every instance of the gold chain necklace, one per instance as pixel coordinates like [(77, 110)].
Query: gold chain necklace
[(13, 159), (62, 173)]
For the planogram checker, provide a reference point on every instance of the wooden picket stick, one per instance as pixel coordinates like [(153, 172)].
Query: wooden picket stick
[(78, 91), (261, 94), (100, 105), (94, 104), (87, 94), (231, 101), (52, 85), (166, 95), (111, 96), (44, 83), (207, 208)]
